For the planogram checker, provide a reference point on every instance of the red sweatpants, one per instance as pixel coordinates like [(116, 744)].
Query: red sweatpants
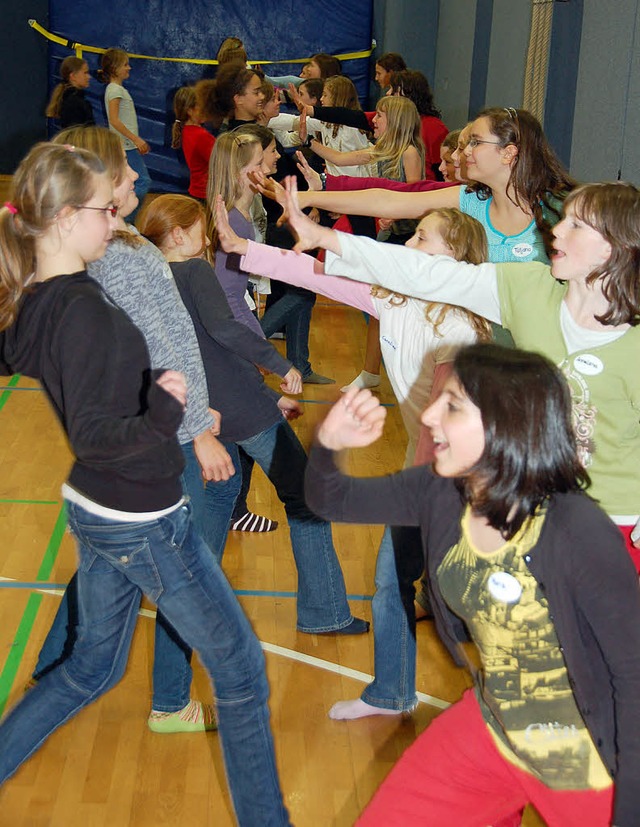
[(454, 775)]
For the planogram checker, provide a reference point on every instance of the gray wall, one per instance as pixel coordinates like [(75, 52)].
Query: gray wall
[(593, 96), (606, 123)]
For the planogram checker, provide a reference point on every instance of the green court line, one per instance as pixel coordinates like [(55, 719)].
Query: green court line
[(16, 653), (29, 502), (6, 394)]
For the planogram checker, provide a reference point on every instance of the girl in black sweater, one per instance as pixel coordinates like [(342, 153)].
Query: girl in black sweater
[(123, 495)]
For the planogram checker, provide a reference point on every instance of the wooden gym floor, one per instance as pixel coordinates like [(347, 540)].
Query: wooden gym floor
[(105, 768)]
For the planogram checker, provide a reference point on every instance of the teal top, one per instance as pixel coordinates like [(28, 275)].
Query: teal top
[(526, 246)]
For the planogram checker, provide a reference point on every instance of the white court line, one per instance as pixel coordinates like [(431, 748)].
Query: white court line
[(291, 654)]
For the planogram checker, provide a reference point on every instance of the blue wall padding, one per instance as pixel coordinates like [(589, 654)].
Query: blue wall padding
[(274, 30)]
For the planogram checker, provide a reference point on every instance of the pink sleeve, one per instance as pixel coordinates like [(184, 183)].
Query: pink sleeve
[(348, 182), (306, 271)]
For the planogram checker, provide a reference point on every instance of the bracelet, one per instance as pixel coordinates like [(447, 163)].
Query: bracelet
[(323, 178)]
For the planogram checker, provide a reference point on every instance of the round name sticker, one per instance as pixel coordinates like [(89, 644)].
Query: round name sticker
[(588, 364), (504, 587), (522, 250)]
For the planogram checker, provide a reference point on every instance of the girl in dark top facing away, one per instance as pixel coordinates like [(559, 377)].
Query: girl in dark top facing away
[(124, 498), (68, 102), (253, 416), (539, 575)]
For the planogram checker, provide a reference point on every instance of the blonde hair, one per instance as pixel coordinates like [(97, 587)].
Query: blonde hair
[(402, 132), (110, 62), (343, 93), (183, 100), (231, 152), (108, 147), (102, 142), (49, 179), (166, 212), (69, 66), (468, 241)]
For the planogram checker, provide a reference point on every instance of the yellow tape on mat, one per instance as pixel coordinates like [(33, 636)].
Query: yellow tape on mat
[(79, 48)]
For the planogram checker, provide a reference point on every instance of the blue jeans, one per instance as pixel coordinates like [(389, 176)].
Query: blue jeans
[(143, 184), (394, 684), (293, 312), (212, 506), (322, 598), (168, 561)]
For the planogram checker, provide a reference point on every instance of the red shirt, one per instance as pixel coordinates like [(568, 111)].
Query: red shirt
[(197, 145)]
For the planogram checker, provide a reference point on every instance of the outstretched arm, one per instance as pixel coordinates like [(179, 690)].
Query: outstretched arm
[(382, 203), (341, 159)]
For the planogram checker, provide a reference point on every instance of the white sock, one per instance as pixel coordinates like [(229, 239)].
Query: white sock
[(350, 710), (363, 380)]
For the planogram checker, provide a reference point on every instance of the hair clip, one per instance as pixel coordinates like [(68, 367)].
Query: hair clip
[(511, 112), (177, 120), (11, 207), (69, 147)]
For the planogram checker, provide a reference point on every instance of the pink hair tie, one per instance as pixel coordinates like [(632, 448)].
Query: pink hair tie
[(69, 147), (11, 207)]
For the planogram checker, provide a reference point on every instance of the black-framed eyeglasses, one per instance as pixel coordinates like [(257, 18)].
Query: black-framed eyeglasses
[(112, 211)]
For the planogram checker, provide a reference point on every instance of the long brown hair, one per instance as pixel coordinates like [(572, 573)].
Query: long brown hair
[(343, 93), (183, 100), (69, 66), (613, 210), (538, 180)]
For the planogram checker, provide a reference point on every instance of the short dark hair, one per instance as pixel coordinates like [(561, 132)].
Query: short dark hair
[(392, 62), (530, 446), (329, 65), (415, 86), (262, 133)]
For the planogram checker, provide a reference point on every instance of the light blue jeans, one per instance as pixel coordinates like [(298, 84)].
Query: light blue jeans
[(394, 652), (168, 561), (322, 598)]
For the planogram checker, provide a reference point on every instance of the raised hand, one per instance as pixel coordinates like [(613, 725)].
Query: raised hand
[(314, 182), (229, 240), (295, 97), (302, 126), (265, 185), (355, 421), (309, 234)]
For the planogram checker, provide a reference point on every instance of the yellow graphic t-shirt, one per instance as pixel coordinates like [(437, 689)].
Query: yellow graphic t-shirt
[(524, 693)]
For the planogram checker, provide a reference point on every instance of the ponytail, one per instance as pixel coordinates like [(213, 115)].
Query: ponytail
[(69, 66)]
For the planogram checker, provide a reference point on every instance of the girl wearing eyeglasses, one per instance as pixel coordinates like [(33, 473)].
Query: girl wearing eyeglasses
[(516, 188)]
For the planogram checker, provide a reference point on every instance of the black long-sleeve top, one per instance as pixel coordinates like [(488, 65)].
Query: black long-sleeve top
[(582, 567), (75, 109), (93, 364), (230, 352)]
